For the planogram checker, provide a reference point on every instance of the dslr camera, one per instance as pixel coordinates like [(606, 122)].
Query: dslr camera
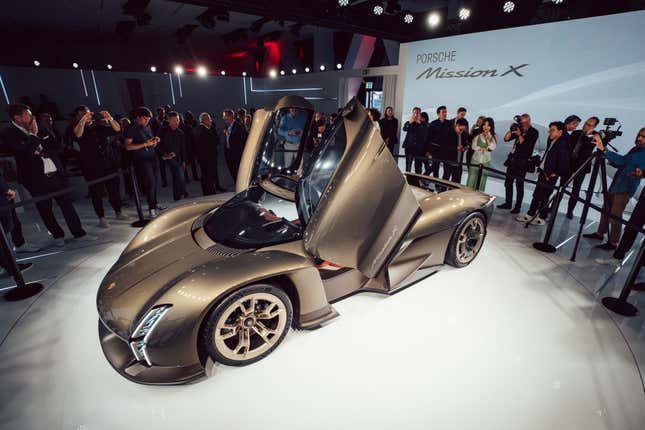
[(515, 125)]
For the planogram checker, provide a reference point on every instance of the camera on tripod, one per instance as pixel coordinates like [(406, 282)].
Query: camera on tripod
[(608, 134), (515, 125)]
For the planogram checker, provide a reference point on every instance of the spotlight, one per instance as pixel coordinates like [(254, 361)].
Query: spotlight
[(36, 63), (294, 71), (223, 73), (339, 66), (153, 69), (433, 19), (273, 73), (281, 72), (408, 18), (322, 67), (109, 67), (508, 7), (306, 69), (343, 3), (202, 72), (243, 73), (378, 10), (75, 65), (464, 13), (179, 70), (557, 1)]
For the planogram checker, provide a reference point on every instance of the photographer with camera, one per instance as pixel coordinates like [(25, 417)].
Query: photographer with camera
[(555, 164), (96, 134), (581, 147), (517, 163), (623, 186), (415, 141)]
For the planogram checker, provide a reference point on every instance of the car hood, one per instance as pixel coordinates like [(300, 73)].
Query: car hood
[(161, 253)]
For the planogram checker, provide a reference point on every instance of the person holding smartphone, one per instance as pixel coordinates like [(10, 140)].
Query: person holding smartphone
[(140, 139)]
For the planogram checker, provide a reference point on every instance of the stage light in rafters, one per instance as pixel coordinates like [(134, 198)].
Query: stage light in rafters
[(508, 7), (434, 19), (464, 13), (408, 18)]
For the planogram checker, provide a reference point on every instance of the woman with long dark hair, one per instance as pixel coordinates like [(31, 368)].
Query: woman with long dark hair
[(482, 145)]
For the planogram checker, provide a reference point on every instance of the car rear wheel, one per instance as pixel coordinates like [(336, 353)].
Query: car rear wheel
[(467, 240), (247, 325)]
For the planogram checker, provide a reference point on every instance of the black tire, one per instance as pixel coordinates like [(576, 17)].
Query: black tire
[(207, 337), (452, 257)]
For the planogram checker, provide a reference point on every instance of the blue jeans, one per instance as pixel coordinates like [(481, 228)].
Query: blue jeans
[(178, 183)]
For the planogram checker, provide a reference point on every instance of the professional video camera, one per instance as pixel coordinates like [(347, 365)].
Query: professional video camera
[(515, 125), (608, 134)]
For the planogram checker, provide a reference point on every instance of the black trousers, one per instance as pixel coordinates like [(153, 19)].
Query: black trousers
[(233, 159), (516, 173), (50, 184), (543, 190), (410, 157), (16, 232), (111, 187), (146, 169), (576, 186), (162, 170), (210, 177), (629, 235)]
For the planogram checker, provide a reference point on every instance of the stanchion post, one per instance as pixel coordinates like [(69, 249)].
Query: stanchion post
[(545, 246), (22, 289), (620, 305), (141, 222)]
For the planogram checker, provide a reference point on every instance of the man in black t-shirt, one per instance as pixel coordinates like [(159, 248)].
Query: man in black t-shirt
[(141, 141), (99, 157), (525, 137)]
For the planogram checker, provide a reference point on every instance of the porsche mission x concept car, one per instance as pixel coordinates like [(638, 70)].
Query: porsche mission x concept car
[(214, 281)]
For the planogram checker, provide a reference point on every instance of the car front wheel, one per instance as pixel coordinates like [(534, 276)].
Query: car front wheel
[(247, 325), (467, 240)]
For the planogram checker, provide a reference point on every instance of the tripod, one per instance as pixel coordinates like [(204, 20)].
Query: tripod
[(598, 167)]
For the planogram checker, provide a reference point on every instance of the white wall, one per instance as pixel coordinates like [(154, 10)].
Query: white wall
[(587, 67)]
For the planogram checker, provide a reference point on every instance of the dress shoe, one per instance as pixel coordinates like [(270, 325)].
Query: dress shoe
[(516, 210), (594, 236), (504, 206), (570, 215), (606, 246)]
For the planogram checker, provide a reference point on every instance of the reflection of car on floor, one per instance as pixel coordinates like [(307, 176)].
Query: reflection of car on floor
[(224, 280)]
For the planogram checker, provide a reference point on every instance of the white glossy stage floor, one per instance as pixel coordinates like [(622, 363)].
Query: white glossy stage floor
[(517, 340)]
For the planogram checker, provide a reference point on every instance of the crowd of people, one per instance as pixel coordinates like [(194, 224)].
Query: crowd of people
[(174, 147)]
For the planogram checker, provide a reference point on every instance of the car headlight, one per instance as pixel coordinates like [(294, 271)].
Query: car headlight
[(140, 336)]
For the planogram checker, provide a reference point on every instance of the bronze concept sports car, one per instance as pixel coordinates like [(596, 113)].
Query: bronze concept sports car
[(215, 281)]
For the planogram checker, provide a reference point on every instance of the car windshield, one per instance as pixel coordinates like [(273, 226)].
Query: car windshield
[(320, 169), (252, 219), (281, 146)]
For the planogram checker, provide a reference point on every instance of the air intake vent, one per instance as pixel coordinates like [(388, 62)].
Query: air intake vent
[(224, 251)]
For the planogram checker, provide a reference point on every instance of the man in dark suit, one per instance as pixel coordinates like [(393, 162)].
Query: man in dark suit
[(581, 147), (235, 134), (40, 171), (555, 164), (206, 142)]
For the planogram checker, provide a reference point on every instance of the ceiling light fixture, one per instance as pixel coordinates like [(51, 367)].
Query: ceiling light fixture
[(223, 73), (153, 69), (508, 7), (434, 19), (294, 71), (202, 71), (408, 18), (464, 13), (36, 63), (243, 73), (339, 66), (306, 69), (273, 73), (109, 67), (75, 65), (378, 9), (343, 3), (179, 70), (322, 67)]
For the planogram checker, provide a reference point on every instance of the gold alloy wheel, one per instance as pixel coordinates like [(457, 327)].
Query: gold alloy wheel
[(250, 326), (471, 238)]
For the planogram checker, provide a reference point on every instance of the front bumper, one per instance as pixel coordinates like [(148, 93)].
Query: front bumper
[(120, 356)]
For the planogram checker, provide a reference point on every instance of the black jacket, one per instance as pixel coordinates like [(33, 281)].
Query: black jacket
[(557, 158), (583, 151), (206, 142), (30, 166), (389, 130), (173, 141), (237, 138)]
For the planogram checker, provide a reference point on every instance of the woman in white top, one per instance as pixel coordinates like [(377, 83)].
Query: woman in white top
[(482, 145)]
